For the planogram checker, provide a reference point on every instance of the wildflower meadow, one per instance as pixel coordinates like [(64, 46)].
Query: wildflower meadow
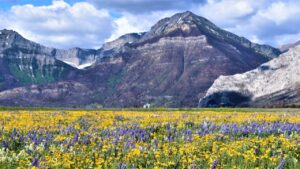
[(150, 139)]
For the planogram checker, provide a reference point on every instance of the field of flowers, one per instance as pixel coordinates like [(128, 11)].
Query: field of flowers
[(133, 139)]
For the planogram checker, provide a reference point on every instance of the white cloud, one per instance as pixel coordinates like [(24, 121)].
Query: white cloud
[(276, 24), (264, 21), (226, 12), (60, 24), (280, 12), (133, 23)]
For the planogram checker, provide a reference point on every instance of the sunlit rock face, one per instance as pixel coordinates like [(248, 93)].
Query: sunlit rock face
[(273, 84)]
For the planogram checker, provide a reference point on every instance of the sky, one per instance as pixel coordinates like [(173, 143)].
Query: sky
[(90, 23)]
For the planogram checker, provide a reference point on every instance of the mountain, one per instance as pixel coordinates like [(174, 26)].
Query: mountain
[(179, 58), (172, 65), (23, 62), (273, 84)]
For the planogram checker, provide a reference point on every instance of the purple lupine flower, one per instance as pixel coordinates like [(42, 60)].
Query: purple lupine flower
[(155, 142), (127, 145), (5, 144), (86, 139), (214, 165), (76, 137), (281, 165), (115, 141), (122, 166), (35, 162), (188, 135), (119, 118)]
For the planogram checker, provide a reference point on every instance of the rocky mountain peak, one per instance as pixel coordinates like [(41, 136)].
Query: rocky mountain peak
[(11, 41), (8, 37), (181, 24), (12, 37), (188, 24), (8, 32), (191, 18), (178, 20)]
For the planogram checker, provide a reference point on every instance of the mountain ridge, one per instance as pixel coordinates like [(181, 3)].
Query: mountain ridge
[(172, 65)]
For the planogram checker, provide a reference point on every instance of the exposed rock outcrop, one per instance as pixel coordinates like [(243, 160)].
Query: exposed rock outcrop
[(273, 84)]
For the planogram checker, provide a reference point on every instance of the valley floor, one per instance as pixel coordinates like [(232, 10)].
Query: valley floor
[(154, 138)]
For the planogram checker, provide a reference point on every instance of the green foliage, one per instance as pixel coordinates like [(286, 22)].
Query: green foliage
[(29, 71)]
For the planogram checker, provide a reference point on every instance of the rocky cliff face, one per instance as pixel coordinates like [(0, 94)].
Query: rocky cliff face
[(172, 65), (84, 58), (275, 83), (77, 58), (23, 62)]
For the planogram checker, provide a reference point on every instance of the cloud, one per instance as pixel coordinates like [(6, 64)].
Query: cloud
[(275, 22), (135, 23), (88, 24), (227, 12), (144, 6), (60, 24)]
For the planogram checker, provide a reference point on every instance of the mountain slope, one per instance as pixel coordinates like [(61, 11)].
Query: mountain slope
[(172, 65), (188, 24), (84, 58), (24, 62), (273, 84), (179, 58)]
